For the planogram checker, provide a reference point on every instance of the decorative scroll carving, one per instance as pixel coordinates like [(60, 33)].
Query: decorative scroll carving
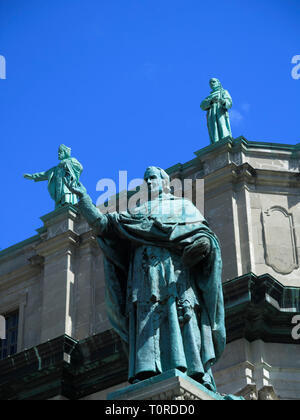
[(279, 240)]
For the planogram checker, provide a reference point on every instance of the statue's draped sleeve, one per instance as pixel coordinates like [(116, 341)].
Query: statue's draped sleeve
[(74, 168), (42, 176), (72, 165), (206, 103), (227, 99), (226, 104)]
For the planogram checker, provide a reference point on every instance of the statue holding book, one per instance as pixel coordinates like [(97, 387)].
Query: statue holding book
[(217, 105)]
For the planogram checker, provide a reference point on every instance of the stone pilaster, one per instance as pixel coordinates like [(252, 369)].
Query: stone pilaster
[(58, 249), (85, 286)]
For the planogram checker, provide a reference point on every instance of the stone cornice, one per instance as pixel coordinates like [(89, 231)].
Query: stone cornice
[(60, 214), (63, 242), (230, 174), (247, 146), (259, 307), (275, 178), (24, 273), (64, 366), (18, 249), (88, 239), (233, 174), (233, 151)]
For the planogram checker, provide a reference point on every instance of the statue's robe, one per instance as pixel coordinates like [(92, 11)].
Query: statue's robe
[(218, 122), (68, 168), (149, 290)]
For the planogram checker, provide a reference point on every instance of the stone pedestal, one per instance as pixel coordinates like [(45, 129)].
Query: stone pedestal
[(170, 385)]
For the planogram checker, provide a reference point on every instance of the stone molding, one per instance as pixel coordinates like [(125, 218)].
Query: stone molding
[(251, 393), (64, 242), (267, 393), (259, 307), (171, 385), (174, 388), (24, 273), (64, 367)]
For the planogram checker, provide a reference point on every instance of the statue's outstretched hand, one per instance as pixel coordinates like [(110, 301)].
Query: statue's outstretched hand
[(28, 176), (75, 188)]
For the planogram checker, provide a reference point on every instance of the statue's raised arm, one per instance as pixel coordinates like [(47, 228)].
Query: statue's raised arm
[(89, 211)]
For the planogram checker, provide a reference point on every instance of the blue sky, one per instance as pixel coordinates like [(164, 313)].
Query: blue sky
[(121, 81)]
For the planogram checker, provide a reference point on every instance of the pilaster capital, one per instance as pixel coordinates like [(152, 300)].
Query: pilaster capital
[(64, 243), (58, 233)]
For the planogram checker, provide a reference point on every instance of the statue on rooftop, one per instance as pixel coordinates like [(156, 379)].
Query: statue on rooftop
[(163, 281), (217, 105), (68, 169)]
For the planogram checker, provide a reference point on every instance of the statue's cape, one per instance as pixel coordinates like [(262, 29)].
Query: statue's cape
[(169, 231)]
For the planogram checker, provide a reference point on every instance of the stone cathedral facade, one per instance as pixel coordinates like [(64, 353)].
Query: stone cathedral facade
[(60, 344)]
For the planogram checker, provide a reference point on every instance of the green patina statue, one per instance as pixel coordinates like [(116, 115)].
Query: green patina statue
[(217, 105), (69, 169), (163, 282)]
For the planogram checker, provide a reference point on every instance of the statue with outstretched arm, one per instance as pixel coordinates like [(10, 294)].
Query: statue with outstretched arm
[(68, 170), (163, 285)]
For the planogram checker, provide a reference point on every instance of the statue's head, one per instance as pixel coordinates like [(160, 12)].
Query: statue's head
[(215, 84), (64, 152), (157, 180)]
